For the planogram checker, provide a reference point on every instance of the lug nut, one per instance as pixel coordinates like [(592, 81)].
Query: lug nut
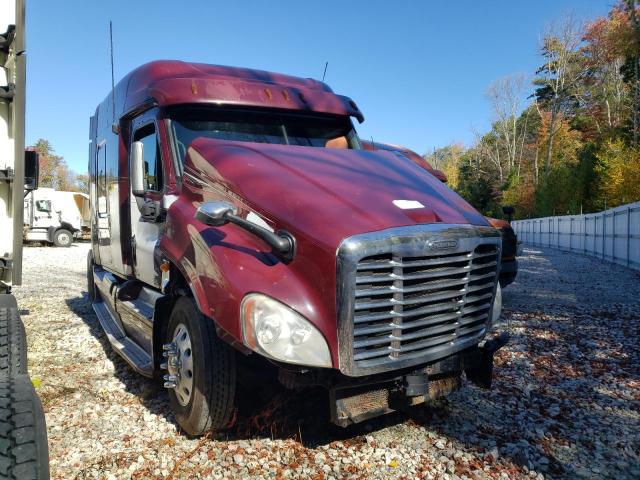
[(164, 366), (169, 384), (169, 353), (174, 362), (169, 346)]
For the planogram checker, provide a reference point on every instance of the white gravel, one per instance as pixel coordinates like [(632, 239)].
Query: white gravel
[(565, 403)]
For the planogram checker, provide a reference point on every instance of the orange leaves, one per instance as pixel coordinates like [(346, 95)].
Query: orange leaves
[(619, 169)]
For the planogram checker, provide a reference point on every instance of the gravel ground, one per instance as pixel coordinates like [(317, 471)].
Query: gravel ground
[(565, 402)]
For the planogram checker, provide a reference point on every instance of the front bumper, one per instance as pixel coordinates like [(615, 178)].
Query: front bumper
[(368, 399), (481, 373), (508, 271), (509, 267)]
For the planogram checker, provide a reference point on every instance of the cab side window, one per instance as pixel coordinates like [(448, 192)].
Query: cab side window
[(43, 206), (101, 183), (152, 163)]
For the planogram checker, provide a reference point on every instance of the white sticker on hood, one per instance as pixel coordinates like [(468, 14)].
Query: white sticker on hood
[(408, 204)]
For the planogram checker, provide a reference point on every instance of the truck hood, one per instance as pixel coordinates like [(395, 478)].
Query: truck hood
[(322, 193), (498, 223)]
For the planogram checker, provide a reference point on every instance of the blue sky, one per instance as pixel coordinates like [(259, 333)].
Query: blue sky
[(417, 69)]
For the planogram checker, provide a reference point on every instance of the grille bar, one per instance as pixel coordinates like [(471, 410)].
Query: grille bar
[(420, 311), (449, 327), (434, 273), (423, 322), (412, 301)]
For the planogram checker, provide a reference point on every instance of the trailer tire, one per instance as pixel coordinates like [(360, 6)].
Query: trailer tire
[(24, 454), (211, 399), (62, 238), (13, 342)]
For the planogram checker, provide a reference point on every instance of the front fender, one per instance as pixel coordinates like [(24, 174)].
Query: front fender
[(224, 264)]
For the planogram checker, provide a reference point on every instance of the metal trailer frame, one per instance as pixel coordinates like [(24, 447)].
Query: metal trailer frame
[(13, 164)]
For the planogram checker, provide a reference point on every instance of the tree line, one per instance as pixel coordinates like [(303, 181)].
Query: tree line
[(54, 171), (568, 141)]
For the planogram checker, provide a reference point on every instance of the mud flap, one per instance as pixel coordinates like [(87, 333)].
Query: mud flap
[(482, 374)]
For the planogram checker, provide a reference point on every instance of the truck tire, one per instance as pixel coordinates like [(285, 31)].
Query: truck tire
[(62, 238), (13, 343), (204, 401), (24, 454)]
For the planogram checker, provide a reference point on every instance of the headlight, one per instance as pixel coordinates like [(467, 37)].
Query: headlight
[(276, 331)]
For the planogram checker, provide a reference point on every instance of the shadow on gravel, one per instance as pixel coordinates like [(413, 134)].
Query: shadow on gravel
[(151, 394), (546, 405), (549, 403)]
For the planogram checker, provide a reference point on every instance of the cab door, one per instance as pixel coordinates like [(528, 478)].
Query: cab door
[(43, 214), (146, 218)]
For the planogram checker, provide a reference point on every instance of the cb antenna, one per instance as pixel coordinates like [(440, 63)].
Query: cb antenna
[(324, 74), (114, 126)]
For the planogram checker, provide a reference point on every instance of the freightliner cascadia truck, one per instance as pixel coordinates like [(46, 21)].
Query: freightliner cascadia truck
[(235, 215)]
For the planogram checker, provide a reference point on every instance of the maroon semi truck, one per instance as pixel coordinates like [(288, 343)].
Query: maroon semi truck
[(235, 217)]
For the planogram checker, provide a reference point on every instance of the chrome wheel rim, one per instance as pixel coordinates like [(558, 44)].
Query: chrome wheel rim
[(181, 365), (64, 239)]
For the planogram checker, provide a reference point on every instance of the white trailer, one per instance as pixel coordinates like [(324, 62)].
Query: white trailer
[(23, 433), (55, 216), (12, 109)]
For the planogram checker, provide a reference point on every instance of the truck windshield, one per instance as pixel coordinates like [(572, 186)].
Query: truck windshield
[(324, 131)]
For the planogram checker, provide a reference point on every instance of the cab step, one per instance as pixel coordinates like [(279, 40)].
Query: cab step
[(135, 356)]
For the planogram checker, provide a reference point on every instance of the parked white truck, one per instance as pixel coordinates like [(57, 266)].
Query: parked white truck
[(56, 217)]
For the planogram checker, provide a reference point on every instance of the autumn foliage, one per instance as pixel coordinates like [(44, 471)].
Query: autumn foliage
[(54, 172), (574, 145)]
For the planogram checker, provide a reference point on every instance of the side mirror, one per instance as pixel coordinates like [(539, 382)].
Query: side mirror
[(215, 214), (508, 210), (137, 169), (440, 175), (31, 169), (218, 213)]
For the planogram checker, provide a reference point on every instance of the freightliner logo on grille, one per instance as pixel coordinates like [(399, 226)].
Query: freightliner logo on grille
[(441, 244)]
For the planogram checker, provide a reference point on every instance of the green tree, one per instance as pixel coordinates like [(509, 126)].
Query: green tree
[(49, 163), (619, 168), (54, 171), (559, 78)]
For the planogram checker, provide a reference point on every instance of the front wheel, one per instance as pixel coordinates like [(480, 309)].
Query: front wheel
[(62, 238), (202, 371)]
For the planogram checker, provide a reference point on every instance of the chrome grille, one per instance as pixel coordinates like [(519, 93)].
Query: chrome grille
[(412, 304)]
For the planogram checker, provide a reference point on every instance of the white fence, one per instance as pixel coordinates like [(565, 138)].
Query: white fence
[(612, 235)]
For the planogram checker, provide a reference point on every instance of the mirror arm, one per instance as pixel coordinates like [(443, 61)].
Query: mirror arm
[(219, 213), (282, 242)]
